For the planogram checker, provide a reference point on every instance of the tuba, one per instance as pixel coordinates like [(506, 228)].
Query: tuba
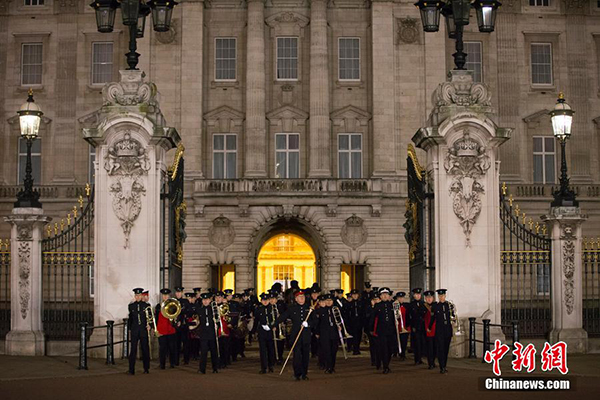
[(218, 321), (339, 321), (454, 317), (170, 309)]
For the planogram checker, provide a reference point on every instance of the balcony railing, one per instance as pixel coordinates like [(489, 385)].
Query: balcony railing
[(46, 191), (538, 191), (289, 185)]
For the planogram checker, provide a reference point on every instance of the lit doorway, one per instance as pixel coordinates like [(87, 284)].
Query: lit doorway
[(284, 258), (352, 277), (223, 276)]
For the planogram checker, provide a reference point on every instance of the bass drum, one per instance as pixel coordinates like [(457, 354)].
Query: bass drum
[(241, 330)]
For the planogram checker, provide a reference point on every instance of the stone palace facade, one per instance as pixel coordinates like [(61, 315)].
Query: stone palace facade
[(296, 117)]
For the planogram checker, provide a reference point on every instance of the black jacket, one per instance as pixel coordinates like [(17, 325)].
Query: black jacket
[(326, 326), (263, 316), (298, 313), (383, 320), (206, 328), (441, 316), (137, 315), (416, 313)]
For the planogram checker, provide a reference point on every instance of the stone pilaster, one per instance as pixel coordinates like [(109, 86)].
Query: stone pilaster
[(192, 39), (384, 140), (320, 127), (26, 337), (566, 277), (256, 133)]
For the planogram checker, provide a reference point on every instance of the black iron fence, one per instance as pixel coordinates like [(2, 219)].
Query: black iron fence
[(526, 271), (85, 332), (513, 328), (4, 287), (591, 286)]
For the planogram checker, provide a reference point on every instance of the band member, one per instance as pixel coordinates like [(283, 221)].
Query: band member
[(224, 337), (315, 291), (266, 343), (443, 329), (278, 307), (146, 296), (140, 331), (355, 316), (192, 350), (301, 324), (402, 328), (373, 350), (207, 333), (237, 335), (383, 322), (289, 293), (429, 328), (181, 335), (416, 312), (197, 293), (166, 330), (339, 299), (328, 334)]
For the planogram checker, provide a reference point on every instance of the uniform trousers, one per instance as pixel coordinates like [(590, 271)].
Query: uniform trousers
[(386, 344), (205, 347), (267, 353), (280, 346), (139, 336), (355, 328), (330, 349), (301, 357), (417, 341), (166, 345), (430, 345), (403, 344), (225, 349), (373, 349), (183, 344), (442, 348)]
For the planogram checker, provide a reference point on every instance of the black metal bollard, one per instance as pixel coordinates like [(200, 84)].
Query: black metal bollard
[(472, 343), (486, 337), (125, 347), (110, 350), (515, 335), (83, 345)]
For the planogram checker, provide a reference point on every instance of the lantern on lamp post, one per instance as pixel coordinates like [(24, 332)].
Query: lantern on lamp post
[(562, 119)]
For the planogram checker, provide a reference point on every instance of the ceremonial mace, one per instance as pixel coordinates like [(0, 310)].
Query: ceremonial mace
[(296, 341)]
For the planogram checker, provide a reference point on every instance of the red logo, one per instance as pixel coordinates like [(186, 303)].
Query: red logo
[(525, 357), (495, 355), (555, 356)]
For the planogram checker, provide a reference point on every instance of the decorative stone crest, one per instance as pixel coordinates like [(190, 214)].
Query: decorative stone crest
[(466, 162), (131, 91), (24, 273), (221, 233), (568, 251), (127, 162), (407, 30), (354, 233), (462, 91)]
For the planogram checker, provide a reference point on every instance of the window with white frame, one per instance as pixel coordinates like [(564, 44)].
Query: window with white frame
[(349, 59), (36, 161), (34, 2), (544, 159), (474, 60), (31, 64), (287, 155), (102, 62), (350, 156), (539, 3), (543, 279), (224, 156), (541, 63), (92, 160), (287, 58), (225, 59)]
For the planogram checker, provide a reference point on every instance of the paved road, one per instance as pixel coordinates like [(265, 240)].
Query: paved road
[(57, 378)]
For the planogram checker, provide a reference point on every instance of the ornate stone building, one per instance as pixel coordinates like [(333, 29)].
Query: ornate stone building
[(296, 116)]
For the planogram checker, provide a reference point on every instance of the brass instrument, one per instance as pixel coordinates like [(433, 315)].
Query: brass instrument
[(170, 309), (339, 321), (224, 312), (454, 317), (281, 327), (397, 316), (401, 318), (217, 322), (150, 317), (194, 323)]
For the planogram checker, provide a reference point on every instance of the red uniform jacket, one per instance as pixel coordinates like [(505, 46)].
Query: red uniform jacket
[(164, 325), (402, 322), (427, 319), (226, 329)]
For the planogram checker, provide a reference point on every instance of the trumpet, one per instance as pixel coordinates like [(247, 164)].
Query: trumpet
[(339, 321), (275, 315), (454, 317)]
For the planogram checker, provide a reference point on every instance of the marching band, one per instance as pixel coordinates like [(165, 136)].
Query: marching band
[(309, 323)]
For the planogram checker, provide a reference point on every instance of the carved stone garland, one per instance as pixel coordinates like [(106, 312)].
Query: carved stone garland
[(24, 236), (569, 267), (126, 162), (466, 162)]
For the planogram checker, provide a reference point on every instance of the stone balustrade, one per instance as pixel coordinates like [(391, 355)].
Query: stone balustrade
[(314, 185), (538, 191), (46, 191)]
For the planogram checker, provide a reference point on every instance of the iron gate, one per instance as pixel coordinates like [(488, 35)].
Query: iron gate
[(591, 286), (526, 266), (68, 271), (4, 287), (419, 225)]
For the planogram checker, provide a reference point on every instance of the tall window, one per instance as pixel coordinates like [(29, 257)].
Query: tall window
[(34, 2), (539, 3), (225, 56), (36, 160), (224, 156), (544, 159), (92, 159), (474, 60), (102, 62), (541, 63), (287, 155), (31, 64), (350, 156), (287, 58), (349, 58)]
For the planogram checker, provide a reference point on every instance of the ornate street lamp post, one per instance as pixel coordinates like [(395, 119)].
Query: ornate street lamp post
[(456, 13), (562, 118), (30, 116), (134, 13)]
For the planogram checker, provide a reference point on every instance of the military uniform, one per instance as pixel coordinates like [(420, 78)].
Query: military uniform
[(383, 321), (207, 333), (430, 331), (416, 312), (138, 325), (443, 330), (167, 339), (402, 327), (266, 344), (373, 350), (328, 336), (182, 341), (355, 315)]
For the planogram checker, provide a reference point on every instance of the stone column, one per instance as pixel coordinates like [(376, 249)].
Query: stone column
[(320, 127), (26, 337), (256, 133), (384, 140), (131, 142), (461, 143), (566, 277)]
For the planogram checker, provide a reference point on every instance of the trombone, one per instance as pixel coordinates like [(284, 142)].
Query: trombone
[(398, 316), (454, 317), (275, 315), (339, 321), (217, 323), (152, 325)]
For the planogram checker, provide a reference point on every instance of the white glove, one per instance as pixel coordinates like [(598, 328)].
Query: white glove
[(266, 327), (305, 324)]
